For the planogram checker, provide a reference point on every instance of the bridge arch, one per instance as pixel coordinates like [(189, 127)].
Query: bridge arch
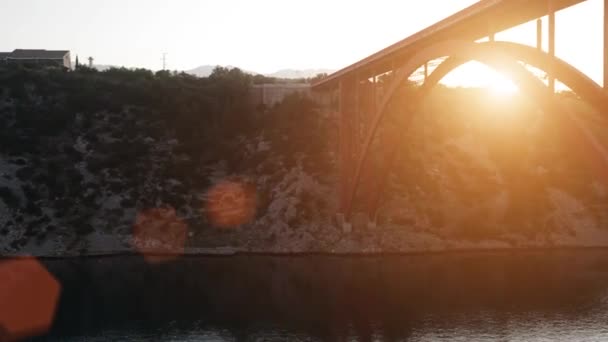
[(501, 56), (578, 82)]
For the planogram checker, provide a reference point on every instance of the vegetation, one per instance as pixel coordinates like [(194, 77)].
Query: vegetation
[(85, 138), (483, 166), (85, 151)]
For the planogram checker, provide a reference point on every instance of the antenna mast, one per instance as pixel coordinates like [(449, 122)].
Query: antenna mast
[(164, 61)]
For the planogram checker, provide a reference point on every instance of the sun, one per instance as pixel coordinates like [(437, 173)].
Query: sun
[(500, 85), (477, 75)]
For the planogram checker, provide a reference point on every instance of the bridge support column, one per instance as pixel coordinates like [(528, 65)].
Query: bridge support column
[(426, 69), (605, 44), (357, 118), (551, 44), (539, 33), (375, 94), (367, 102), (347, 109)]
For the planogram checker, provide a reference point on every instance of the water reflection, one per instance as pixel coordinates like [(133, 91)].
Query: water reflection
[(519, 296)]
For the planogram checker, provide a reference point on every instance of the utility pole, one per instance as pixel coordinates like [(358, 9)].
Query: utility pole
[(164, 61)]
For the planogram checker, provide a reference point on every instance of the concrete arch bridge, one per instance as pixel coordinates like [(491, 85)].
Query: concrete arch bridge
[(364, 103)]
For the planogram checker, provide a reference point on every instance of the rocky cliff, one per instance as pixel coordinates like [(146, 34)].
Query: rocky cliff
[(95, 162)]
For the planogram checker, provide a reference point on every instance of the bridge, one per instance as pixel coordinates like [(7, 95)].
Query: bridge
[(365, 103)]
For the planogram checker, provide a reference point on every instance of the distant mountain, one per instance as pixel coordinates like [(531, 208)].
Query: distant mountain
[(206, 70), (202, 71), (294, 73)]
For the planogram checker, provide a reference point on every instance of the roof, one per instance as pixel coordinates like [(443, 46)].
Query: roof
[(471, 23), (38, 54), (3, 55)]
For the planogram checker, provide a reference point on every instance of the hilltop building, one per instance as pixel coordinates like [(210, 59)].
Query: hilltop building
[(44, 57)]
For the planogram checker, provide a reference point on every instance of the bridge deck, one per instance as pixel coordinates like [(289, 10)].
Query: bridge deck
[(472, 23)]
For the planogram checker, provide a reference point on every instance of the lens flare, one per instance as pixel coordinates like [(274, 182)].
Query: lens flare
[(231, 204), (28, 299), (159, 235)]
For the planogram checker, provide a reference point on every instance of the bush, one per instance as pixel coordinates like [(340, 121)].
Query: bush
[(9, 198)]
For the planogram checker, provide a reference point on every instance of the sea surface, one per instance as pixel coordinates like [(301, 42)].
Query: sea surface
[(558, 295)]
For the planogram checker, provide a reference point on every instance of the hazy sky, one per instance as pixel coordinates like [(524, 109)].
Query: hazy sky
[(262, 35)]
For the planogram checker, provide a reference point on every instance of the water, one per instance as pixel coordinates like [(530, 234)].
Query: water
[(499, 296)]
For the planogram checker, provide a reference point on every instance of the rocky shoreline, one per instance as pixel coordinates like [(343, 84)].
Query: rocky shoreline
[(347, 245)]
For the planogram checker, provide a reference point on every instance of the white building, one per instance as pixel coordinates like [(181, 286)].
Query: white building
[(44, 57), (273, 93)]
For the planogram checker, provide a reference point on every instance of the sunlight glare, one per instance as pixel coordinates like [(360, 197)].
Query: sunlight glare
[(159, 234), (231, 203), (477, 75)]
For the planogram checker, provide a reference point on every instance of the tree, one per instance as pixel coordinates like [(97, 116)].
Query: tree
[(261, 79), (318, 77)]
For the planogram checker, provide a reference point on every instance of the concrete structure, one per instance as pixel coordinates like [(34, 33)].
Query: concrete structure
[(44, 57), (369, 109), (269, 94)]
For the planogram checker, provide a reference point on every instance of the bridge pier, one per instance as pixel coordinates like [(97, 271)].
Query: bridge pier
[(347, 104), (426, 69), (356, 118), (490, 30), (605, 44), (539, 33), (550, 71), (358, 102), (343, 224)]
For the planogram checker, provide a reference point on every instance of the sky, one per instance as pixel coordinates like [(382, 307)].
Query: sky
[(260, 35)]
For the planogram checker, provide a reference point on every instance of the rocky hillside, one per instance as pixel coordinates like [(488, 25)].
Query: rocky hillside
[(86, 154), (124, 160), (495, 168)]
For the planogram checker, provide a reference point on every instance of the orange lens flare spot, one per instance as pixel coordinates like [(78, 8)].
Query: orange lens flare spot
[(231, 204), (28, 299), (159, 234)]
